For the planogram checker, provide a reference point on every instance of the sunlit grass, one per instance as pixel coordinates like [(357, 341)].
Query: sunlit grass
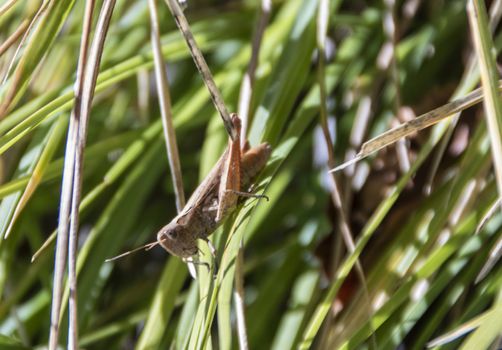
[(420, 253)]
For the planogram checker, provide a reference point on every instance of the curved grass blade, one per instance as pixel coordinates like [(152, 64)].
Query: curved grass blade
[(40, 41), (19, 123), (26, 165), (52, 141)]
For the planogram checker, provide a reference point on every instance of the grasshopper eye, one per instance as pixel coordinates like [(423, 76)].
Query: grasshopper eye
[(173, 234)]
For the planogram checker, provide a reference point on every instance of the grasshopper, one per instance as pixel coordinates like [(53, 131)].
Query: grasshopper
[(215, 198)]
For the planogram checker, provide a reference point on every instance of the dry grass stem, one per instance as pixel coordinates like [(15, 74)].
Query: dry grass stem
[(201, 64), (165, 108), (246, 90), (421, 122), (21, 29), (87, 72)]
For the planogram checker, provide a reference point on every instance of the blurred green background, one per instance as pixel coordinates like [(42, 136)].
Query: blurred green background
[(384, 64)]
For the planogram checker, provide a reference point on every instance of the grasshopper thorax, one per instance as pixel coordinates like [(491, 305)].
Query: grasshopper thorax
[(176, 239)]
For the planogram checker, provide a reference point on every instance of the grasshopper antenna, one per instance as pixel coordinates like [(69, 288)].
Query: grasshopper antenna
[(146, 247)]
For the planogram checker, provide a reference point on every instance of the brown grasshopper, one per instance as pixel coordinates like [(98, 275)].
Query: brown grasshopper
[(215, 198)]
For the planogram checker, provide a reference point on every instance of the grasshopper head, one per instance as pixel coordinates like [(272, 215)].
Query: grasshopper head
[(177, 240)]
